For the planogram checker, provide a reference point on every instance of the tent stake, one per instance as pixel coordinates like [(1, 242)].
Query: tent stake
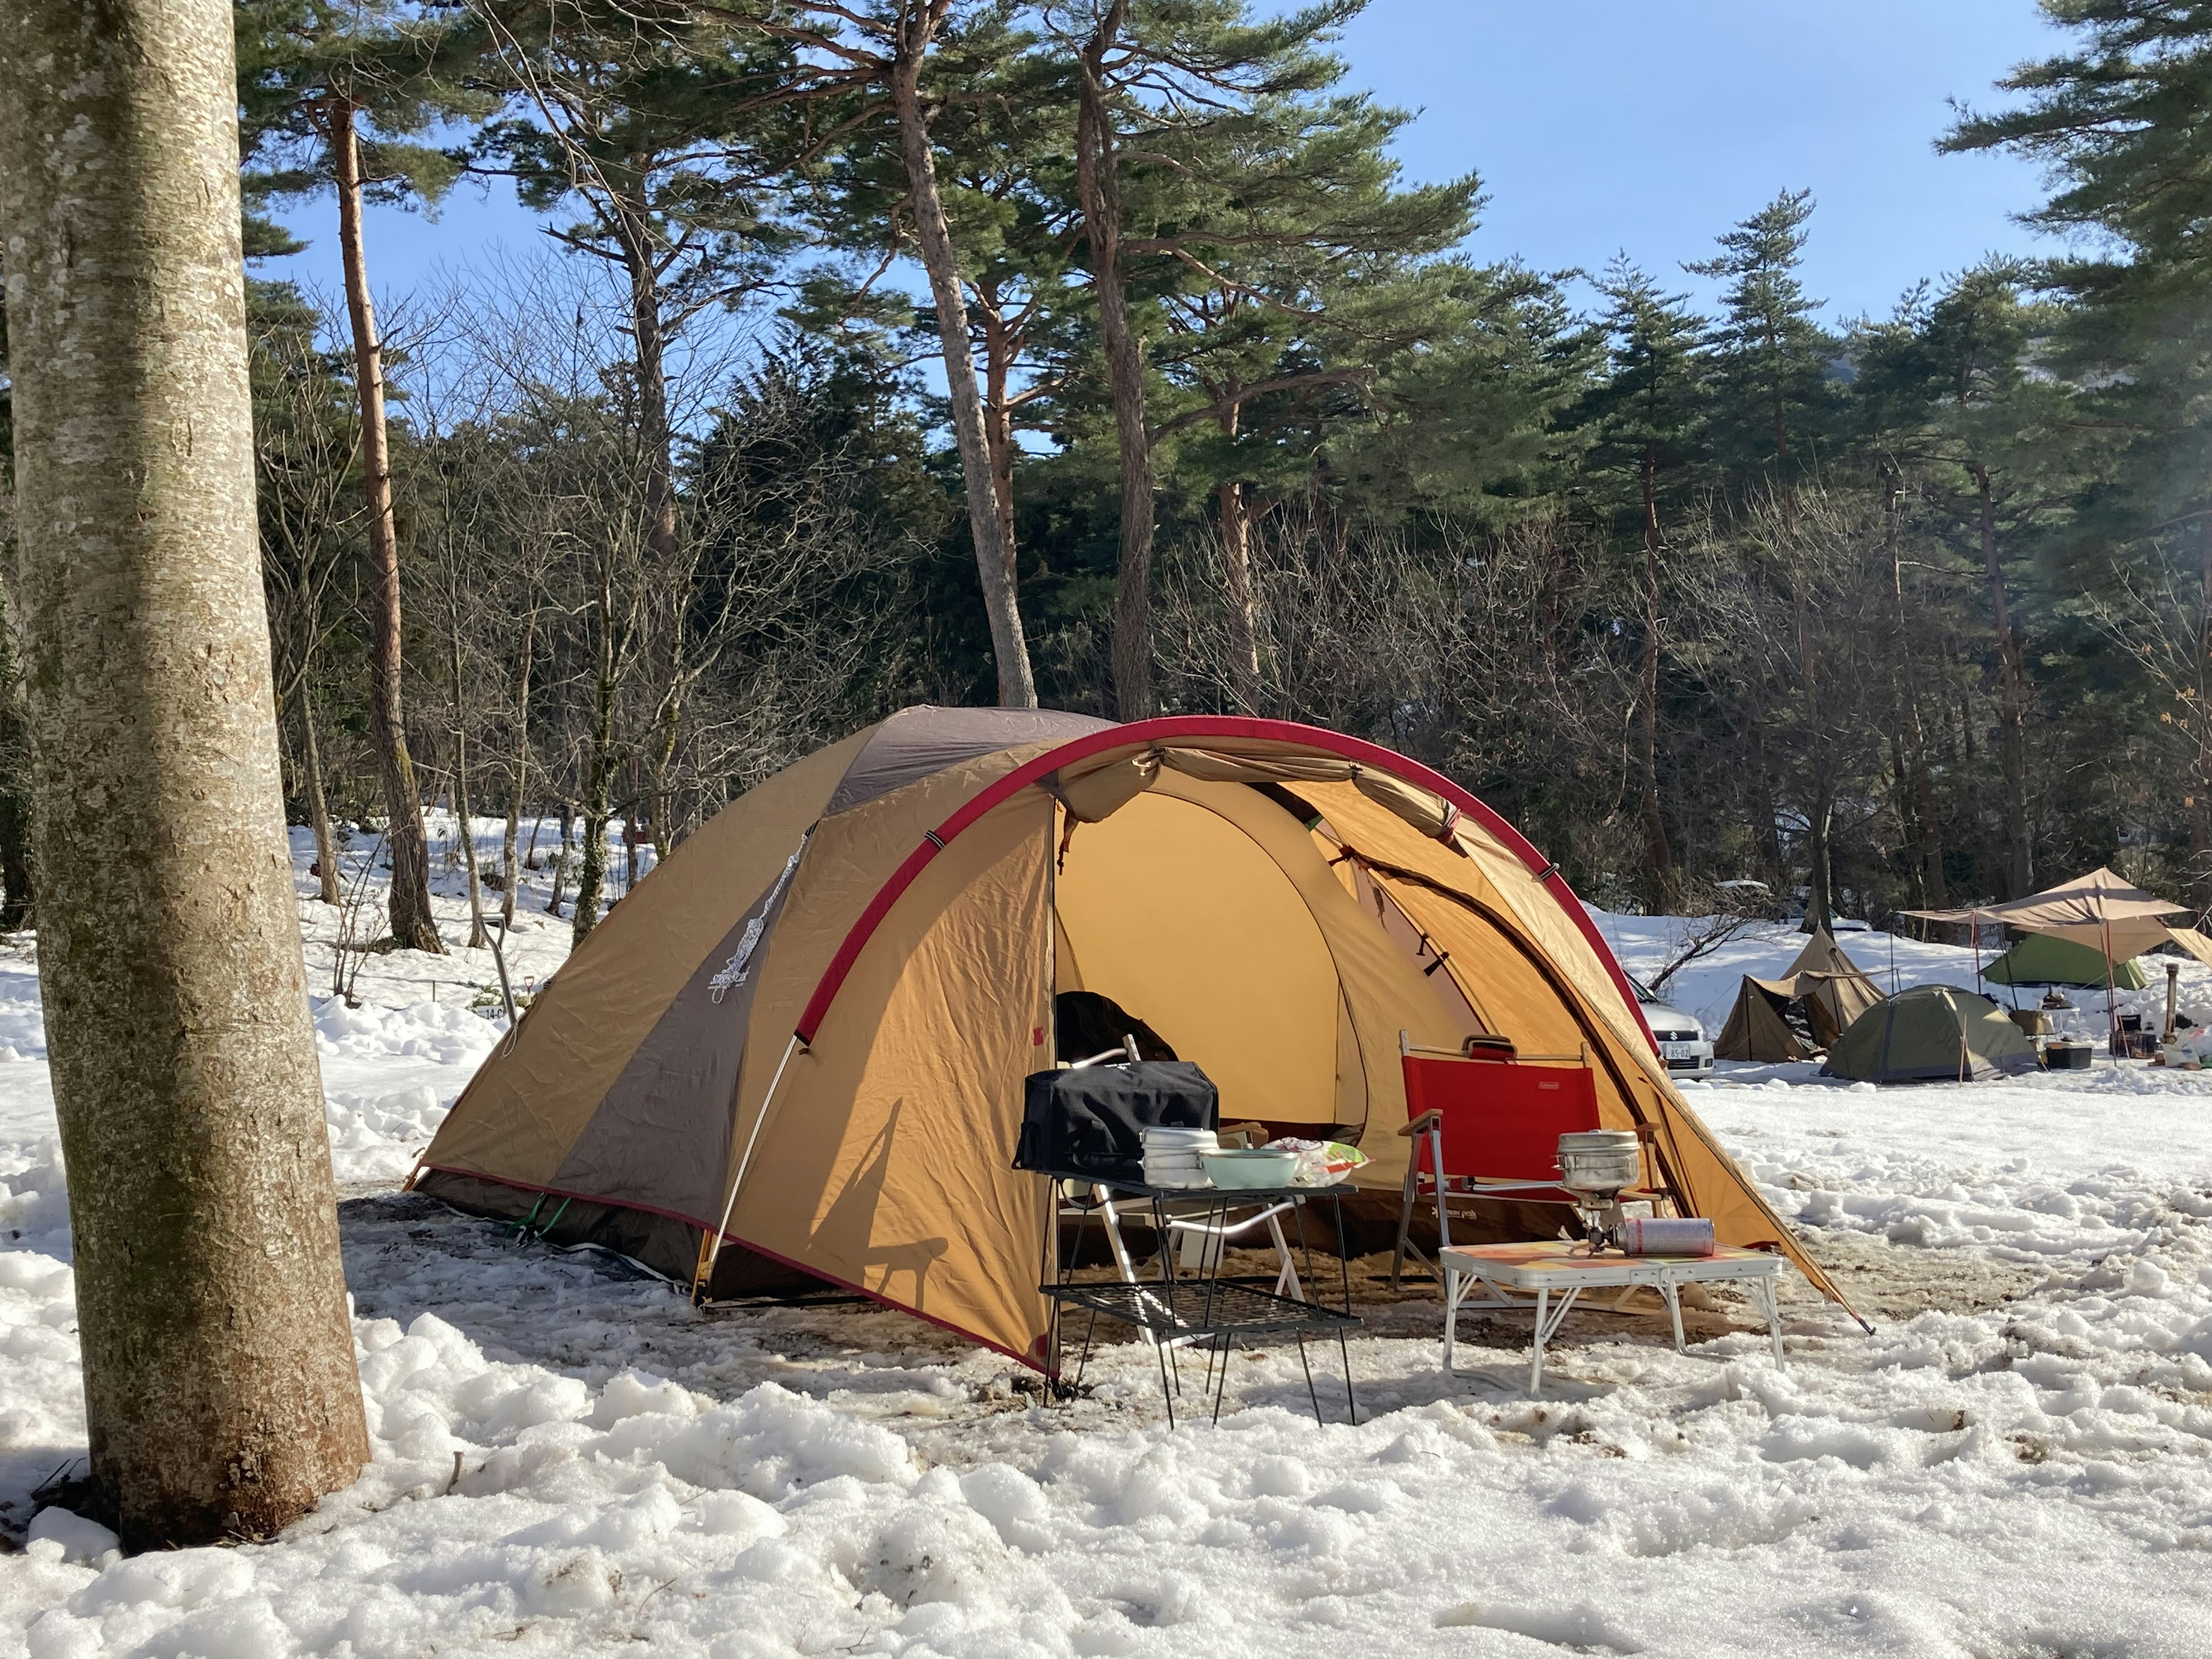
[(714, 1245)]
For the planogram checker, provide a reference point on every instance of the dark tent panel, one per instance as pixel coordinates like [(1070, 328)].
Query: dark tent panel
[(1932, 1033)]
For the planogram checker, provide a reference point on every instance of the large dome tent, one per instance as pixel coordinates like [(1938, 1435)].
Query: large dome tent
[(801, 1040)]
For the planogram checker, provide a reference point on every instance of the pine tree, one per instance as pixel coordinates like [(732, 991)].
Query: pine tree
[(221, 1399), (331, 91), (2122, 124), (1962, 407), (1770, 397), (1644, 421)]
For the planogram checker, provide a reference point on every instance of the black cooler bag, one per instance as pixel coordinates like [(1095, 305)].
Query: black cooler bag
[(1090, 1119)]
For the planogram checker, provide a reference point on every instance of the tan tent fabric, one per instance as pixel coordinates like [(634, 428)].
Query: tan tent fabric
[(2126, 938), (1756, 1029), (918, 743), (517, 1118), (2099, 896), (1834, 990), (1382, 991), (883, 1163), (660, 1064), (1181, 918), (2195, 943), (1576, 993)]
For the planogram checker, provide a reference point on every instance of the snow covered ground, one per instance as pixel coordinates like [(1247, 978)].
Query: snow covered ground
[(570, 1459)]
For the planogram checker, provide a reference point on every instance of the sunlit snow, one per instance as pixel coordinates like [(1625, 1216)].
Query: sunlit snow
[(570, 1459)]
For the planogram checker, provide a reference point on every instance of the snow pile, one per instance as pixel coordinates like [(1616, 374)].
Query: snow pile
[(1959, 1487), (376, 1140), (434, 1031)]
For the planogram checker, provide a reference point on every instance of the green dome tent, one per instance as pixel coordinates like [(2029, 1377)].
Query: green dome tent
[(1933, 1033), (2043, 959)]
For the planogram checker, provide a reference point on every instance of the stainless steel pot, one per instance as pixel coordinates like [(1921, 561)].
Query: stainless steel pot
[(1599, 1162)]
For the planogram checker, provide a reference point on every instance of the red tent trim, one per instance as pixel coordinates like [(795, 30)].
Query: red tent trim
[(1143, 734)]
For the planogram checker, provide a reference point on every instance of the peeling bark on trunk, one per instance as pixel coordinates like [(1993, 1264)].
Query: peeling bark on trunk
[(1099, 188), (221, 1399), (16, 905), (917, 27), (413, 922)]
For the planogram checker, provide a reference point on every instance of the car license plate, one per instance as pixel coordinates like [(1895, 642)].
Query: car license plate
[(1679, 1050)]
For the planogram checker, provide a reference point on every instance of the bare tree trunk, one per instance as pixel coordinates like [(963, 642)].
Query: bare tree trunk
[(598, 784), (414, 924), (221, 1399), (561, 859), (1100, 191), (318, 814), (917, 27), (998, 423), (1819, 856), (464, 821), (1929, 828), (634, 229), (2012, 701), (1658, 851), (2200, 821), (1244, 604), (510, 865)]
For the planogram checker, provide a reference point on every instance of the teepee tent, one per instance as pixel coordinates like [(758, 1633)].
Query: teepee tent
[(800, 1043), (1826, 987), (2048, 959), (1932, 1033)]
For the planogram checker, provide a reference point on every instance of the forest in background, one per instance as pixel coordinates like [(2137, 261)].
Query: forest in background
[(1096, 355)]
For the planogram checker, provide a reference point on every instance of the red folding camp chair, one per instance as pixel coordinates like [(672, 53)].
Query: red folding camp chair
[(1486, 1123)]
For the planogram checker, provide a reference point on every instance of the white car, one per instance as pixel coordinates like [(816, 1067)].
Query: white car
[(1682, 1041)]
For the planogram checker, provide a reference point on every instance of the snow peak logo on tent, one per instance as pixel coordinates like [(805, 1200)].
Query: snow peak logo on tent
[(741, 960)]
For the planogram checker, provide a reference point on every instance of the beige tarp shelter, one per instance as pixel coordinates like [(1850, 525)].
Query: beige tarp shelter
[(2102, 910), (1826, 985), (801, 1040)]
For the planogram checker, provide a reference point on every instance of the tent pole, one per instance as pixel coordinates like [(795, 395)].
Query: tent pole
[(714, 1245), (1974, 923), (2112, 993)]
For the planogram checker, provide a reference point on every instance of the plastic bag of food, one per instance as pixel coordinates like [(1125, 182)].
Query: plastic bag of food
[(1321, 1163)]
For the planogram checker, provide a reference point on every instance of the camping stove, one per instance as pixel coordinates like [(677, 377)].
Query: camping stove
[(1594, 1165)]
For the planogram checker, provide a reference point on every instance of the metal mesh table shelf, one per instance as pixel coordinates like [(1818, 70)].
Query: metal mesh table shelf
[(1189, 1309), (1205, 1308)]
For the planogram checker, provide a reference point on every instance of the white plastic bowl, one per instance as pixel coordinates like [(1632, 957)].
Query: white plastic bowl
[(1257, 1168)]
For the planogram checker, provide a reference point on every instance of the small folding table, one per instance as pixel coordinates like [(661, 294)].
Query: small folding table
[(1552, 1268), (1201, 1306)]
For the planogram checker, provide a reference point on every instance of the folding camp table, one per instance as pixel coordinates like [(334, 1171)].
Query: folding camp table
[(1552, 1267), (1201, 1305)]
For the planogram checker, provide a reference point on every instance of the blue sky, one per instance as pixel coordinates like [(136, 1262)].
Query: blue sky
[(1603, 124)]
